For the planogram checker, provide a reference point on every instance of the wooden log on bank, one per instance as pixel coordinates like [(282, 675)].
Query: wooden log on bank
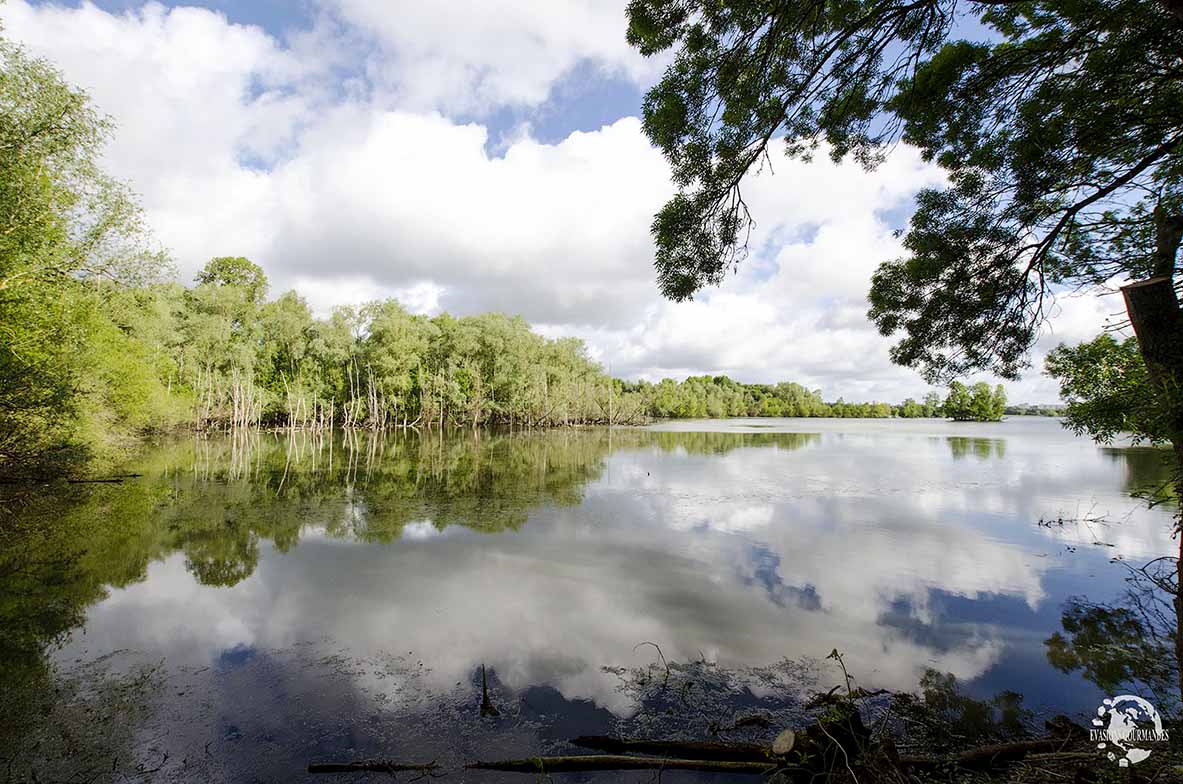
[(594, 762)]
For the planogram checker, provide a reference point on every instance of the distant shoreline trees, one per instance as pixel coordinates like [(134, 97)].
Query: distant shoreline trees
[(709, 397)]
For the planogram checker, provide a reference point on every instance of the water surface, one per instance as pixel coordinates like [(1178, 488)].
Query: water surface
[(306, 596)]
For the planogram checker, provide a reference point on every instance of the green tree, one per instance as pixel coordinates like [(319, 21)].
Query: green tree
[(988, 405), (1059, 133), (238, 273), (71, 382), (222, 341), (932, 404), (958, 403), (978, 403), (1108, 390), (395, 347)]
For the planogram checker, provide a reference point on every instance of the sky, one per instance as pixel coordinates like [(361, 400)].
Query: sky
[(482, 155)]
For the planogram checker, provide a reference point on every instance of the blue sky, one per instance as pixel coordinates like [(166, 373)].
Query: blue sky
[(480, 155)]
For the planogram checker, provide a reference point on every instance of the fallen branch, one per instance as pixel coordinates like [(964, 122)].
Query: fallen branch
[(694, 749), (380, 766), (577, 763)]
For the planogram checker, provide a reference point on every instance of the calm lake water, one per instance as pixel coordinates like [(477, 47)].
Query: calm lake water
[(313, 597)]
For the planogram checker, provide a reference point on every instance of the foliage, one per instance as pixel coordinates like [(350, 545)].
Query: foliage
[(975, 404), (70, 238), (1059, 134), (219, 355), (1108, 392), (250, 361)]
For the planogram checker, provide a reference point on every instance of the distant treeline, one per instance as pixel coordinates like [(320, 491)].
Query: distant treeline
[(1035, 410), (720, 396)]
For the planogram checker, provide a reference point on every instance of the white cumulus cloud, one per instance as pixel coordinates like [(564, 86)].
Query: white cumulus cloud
[(479, 55)]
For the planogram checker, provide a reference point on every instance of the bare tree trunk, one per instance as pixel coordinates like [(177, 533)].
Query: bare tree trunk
[(1153, 308), (1175, 7)]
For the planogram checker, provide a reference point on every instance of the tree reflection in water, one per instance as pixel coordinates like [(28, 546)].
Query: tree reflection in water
[(1127, 646), (981, 448), (215, 500)]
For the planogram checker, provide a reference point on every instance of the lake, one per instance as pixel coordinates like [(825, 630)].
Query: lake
[(254, 602)]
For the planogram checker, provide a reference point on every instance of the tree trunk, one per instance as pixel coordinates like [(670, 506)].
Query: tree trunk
[(1154, 314), (1175, 7)]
